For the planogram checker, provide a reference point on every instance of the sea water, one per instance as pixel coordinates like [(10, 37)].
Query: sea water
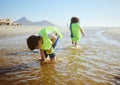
[(96, 61)]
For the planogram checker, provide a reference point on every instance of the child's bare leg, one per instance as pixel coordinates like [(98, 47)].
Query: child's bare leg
[(52, 57), (75, 44), (72, 42)]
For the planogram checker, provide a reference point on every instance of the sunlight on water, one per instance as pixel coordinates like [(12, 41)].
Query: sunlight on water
[(93, 62)]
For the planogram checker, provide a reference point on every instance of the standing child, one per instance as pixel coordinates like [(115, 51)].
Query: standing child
[(75, 30), (45, 42)]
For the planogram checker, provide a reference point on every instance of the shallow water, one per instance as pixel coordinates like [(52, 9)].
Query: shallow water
[(96, 61)]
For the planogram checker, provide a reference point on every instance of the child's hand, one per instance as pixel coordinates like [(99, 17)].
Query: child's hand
[(42, 60), (83, 35), (49, 51)]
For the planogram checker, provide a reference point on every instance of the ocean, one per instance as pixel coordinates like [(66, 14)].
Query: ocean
[(95, 61)]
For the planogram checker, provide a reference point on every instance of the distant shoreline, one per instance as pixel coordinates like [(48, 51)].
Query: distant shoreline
[(33, 26)]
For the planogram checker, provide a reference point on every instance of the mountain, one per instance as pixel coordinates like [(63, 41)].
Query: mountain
[(44, 23), (25, 21)]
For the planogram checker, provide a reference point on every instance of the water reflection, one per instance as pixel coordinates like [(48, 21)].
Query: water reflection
[(20, 67)]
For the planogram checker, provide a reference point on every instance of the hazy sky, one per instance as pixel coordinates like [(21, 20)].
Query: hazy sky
[(91, 12)]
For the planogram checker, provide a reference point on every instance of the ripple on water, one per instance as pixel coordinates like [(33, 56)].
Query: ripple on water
[(96, 63)]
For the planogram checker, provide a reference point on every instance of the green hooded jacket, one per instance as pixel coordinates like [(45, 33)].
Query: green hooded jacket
[(47, 43), (76, 32)]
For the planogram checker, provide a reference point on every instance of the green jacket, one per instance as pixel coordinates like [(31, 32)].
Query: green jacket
[(47, 43), (76, 31)]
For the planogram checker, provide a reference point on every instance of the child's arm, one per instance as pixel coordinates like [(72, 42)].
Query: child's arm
[(42, 54), (54, 37), (81, 30)]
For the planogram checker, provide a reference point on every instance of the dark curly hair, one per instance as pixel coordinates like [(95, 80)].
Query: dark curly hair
[(32, 41), (74, 20)]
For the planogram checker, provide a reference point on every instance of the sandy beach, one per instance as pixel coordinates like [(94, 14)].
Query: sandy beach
[(11, 31), (94, 62)]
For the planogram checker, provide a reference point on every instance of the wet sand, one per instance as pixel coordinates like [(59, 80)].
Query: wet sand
[(94, 62), (113, 34)]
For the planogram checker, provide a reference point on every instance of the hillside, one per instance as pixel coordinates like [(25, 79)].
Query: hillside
[(25, 21)]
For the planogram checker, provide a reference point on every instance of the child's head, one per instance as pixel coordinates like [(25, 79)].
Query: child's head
[(33, 41), (74, 20)]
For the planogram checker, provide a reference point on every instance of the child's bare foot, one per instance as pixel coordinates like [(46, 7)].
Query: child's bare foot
[(42, 63)]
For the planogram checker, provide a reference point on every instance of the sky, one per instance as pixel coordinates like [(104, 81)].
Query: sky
[(90, 12)]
